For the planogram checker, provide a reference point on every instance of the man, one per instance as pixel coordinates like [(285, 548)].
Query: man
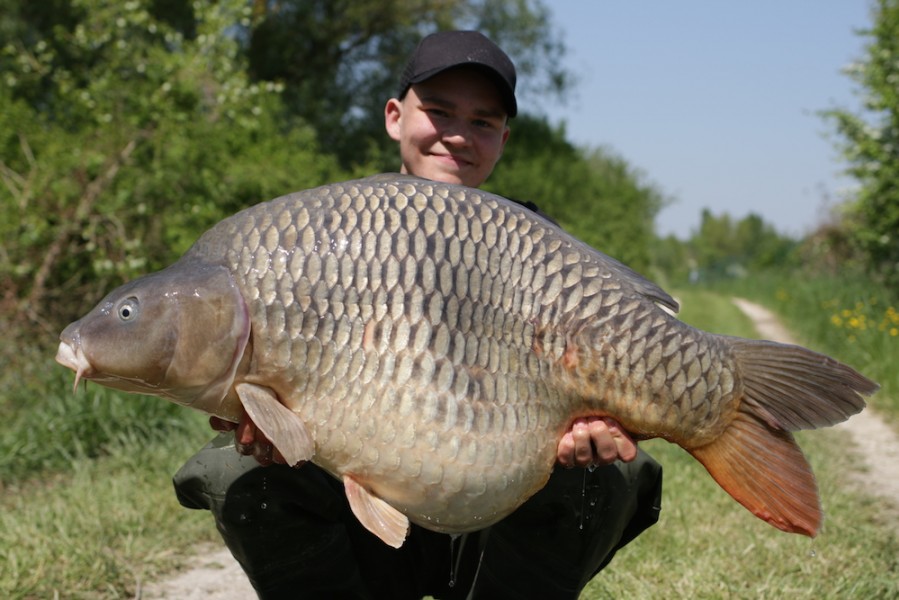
[(291, 528)]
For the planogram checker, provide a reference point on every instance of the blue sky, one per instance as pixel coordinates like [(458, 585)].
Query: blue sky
[(715, 102)]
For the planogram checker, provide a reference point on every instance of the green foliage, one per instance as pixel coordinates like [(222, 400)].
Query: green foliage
[(594, 195), (724, 247), (870, 144), (49, 425), (847, 316), (340, 60), (122, 140)]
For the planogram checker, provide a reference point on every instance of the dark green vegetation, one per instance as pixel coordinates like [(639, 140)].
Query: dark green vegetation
[(128, 128), (869, 143)]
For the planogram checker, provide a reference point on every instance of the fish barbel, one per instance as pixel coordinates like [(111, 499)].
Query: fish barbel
[(429, 345)]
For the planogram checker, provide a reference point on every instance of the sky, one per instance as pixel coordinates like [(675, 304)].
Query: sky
[(716, 102)]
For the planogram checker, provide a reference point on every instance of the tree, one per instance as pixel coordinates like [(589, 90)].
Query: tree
[(724, 247), (122, 139), (870, 144), (339, 60), (593, 194), (127, 128)]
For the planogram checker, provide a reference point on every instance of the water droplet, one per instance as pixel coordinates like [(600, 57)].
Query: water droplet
[(583, 497), (453, 562), (812, 553), (263, 506)]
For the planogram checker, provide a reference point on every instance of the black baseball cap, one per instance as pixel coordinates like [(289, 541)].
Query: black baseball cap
[(447, 49)]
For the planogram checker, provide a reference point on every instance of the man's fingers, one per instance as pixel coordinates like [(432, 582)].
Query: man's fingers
[(582, 434), (625, 448), (252, 442), (603, 448), (565, 452), (595, 441), (219, 424)]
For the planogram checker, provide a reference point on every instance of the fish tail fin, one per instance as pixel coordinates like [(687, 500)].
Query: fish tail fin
[(765, 471), (785, 388), (794, 388)]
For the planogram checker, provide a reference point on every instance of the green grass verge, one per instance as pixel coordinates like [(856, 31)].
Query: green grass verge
[(848, 317), (87, 508), (102, 526), (708, 546)]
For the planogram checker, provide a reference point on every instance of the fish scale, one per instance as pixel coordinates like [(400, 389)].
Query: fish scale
[(429, 344)]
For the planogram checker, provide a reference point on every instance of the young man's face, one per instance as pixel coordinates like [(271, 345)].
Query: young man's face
[(451, 127)]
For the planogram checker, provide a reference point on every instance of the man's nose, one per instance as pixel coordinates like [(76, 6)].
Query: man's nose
[(458, 134)]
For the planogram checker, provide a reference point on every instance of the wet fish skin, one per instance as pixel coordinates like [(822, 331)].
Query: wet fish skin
[(432, 343)]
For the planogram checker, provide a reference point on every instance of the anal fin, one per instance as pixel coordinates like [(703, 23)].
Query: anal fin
[(377, 516), (281, 425), (764, 470)]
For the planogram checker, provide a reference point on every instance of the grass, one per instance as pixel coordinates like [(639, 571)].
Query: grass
[(87, 509), (50, 425), (99, 528), (849, 318), (707, 546)]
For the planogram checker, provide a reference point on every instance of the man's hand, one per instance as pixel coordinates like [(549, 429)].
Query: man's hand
[(590, 441), (595, 441), (249, 440)]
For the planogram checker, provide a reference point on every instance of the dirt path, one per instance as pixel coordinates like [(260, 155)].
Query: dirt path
[(214, 575), (876, 443), (217, 576)]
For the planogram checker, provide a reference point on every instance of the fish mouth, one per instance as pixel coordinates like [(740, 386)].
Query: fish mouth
[(73, 357)]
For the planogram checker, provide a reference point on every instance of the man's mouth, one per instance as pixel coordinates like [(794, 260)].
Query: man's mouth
[(458, 161)]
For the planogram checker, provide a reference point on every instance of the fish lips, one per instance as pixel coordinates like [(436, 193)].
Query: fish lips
[(70, 354)]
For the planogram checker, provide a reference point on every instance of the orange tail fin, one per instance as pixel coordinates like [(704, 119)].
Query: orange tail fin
[(756, 460), (765, 471)]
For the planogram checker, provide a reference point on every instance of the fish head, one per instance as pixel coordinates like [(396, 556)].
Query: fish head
[(180, 333)]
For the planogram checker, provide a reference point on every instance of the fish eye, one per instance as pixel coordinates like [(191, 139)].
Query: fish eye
[(128, 309)]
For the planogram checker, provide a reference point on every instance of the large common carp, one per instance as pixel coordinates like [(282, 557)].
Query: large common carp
[(429, 344)]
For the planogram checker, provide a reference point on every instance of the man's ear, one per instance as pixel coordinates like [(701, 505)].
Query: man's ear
[(506, 132), (392, 114)]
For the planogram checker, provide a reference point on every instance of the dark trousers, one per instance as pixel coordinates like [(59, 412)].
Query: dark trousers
[(295, 536)]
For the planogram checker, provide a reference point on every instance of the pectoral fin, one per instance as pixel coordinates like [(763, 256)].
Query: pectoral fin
[(281, 425), (377, 516)]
